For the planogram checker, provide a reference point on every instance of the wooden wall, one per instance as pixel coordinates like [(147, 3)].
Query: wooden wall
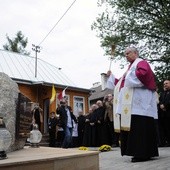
[(38, 93), (41, 93)]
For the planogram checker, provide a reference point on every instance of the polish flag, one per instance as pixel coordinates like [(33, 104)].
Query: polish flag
[(62, 94)]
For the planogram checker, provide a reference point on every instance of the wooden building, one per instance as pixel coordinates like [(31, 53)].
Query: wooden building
[(36, 83)]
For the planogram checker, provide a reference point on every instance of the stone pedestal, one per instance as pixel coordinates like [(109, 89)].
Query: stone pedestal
[(46, 158)]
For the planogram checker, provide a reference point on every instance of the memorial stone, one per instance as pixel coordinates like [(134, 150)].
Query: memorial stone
[(15, 109)]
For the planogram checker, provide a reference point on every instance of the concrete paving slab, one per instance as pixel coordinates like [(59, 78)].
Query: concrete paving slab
[(113, 160)]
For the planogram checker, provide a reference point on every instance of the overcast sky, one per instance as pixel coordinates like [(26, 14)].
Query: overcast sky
[(72, 45)]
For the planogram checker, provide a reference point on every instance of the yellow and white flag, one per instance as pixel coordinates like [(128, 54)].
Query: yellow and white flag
[(53, 95)]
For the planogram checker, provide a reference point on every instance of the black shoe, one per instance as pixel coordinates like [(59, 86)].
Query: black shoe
[(115, 145), (167, 145), (135, 159), (161, 145)]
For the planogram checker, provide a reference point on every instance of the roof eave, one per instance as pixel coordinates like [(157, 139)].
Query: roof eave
[(28, 82)]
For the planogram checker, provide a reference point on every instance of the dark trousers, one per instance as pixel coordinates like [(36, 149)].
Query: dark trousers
[(52, 138)]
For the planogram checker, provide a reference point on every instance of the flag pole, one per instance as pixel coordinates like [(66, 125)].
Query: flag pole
[(64, 92), (110, 63), (113, 46), (66, 88)]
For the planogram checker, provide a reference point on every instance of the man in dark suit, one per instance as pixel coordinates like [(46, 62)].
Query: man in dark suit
[(164, 113), (66, 122)]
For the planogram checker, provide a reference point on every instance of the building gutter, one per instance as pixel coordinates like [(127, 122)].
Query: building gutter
[(21, 81)]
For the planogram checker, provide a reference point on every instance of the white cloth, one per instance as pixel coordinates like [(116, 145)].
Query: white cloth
[(110, 82), (143, 101), (123, 102)]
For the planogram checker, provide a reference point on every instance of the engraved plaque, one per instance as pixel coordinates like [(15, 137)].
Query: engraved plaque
[(23, 116)]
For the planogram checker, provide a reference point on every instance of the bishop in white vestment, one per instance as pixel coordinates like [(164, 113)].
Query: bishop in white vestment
[(135, 108)]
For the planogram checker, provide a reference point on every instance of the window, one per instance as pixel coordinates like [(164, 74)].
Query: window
[(78, 105)]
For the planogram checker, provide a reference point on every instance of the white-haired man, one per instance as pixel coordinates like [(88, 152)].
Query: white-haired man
[(135, 108)]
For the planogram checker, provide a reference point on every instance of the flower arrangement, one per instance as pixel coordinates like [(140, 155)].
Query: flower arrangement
[(83, 148), (105, 148)]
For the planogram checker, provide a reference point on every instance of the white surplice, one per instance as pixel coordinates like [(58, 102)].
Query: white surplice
[(132, 99)]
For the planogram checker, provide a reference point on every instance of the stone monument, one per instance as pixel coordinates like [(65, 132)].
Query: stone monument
[(15, 109)]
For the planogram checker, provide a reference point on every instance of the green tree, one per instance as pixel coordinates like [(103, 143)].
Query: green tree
[(143, 23), (18, 44)]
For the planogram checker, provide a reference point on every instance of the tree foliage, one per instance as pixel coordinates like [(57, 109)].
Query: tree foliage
[(142, 23), (18, 44)]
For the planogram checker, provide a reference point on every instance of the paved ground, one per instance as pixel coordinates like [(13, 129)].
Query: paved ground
[(112, 160)]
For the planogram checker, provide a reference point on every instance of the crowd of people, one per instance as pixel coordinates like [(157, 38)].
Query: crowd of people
[(136, 118), (93, 129), (98, 127)]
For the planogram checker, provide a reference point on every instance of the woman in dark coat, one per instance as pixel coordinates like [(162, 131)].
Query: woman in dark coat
[(52, 122), (87, 129), (81, 125)]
